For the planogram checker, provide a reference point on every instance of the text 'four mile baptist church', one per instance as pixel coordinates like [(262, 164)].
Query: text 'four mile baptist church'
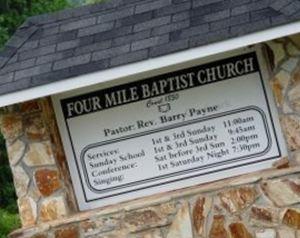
[(160, 85)]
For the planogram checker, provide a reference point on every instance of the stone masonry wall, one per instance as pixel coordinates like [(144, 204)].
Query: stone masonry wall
[(265, 204), (35, 154)]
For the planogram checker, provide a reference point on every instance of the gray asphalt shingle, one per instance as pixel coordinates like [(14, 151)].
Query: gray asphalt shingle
[(73, 42)]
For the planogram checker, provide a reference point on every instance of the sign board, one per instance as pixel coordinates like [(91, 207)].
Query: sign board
[(201, 122)]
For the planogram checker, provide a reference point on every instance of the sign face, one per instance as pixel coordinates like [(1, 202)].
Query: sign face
[(197, 124)]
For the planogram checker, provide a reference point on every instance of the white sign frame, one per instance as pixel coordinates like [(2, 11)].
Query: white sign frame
[(89, 198)]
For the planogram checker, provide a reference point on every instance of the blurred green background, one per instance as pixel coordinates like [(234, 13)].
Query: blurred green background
[(9, 219)]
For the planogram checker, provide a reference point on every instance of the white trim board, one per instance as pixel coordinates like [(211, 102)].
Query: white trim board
[(148, 65)]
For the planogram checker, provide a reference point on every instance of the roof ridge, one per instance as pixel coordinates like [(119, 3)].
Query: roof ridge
[(69, 13), (286, 7), (18, 39), (31, 25)]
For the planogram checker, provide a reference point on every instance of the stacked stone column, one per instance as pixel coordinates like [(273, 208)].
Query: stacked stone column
[(34, 151)]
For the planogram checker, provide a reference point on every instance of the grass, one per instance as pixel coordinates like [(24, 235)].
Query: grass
[(8, 222)]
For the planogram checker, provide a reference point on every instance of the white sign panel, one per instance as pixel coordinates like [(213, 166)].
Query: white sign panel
[(129, 139)]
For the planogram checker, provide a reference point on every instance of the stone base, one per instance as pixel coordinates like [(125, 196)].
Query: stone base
[(260, 204)]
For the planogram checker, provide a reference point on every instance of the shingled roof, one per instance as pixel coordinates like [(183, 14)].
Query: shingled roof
[(73, 42)]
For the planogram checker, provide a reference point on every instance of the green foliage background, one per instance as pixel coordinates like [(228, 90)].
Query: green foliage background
[(14, 12), (9, 219), (7, 192)]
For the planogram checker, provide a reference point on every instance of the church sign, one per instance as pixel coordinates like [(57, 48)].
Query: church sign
[(132, 138)]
